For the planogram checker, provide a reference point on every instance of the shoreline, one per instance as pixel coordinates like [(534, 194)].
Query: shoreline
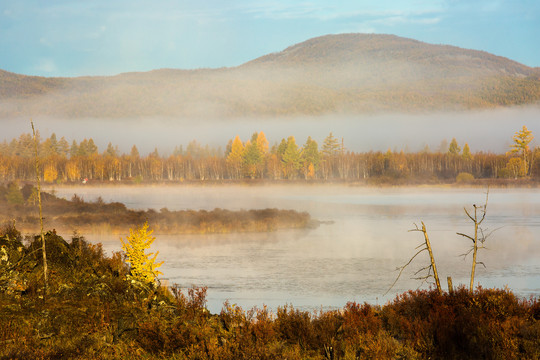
[(481, 183)]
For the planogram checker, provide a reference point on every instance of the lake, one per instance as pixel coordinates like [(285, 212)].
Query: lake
[(353, 258)]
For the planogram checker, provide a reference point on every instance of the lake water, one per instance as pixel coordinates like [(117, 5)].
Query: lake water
[(352, 259)]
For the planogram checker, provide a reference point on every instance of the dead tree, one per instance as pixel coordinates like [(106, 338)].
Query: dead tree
[(40, 209), (431, 268), (479, 237)]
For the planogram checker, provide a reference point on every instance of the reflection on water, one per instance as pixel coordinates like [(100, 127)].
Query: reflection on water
[(353, 259)]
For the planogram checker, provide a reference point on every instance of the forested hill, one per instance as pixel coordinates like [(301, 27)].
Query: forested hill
[(347, 73)]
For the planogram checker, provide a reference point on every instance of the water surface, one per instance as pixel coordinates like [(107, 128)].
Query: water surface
[(352, 259)]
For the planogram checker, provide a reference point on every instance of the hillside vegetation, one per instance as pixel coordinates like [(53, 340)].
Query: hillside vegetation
[(347, 73)]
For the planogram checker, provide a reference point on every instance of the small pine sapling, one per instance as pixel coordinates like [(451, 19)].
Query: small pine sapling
[(142, 266)]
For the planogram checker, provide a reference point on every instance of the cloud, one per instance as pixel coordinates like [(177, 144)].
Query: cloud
[(46, 66), (403, 19), (277, 10), (319, 10)]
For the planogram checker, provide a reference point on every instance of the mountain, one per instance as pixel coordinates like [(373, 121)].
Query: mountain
[(346, 73)]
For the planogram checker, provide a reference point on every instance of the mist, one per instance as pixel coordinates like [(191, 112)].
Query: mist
[(353, 258), (488, 130)]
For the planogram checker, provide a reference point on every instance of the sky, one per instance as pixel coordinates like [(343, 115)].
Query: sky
[(104, 37)]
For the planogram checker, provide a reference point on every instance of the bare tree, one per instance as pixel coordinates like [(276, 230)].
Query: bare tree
[(40, 209), (479, 237), (431, 268)]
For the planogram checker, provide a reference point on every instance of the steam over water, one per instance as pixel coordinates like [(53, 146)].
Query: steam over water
[(352, 259)]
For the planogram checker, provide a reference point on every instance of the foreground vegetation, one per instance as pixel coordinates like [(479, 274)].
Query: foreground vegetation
[(19, 205), (95, 308)]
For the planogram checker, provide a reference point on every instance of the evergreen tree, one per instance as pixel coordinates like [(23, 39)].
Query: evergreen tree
[(74, 149), (83, 148), (443, 146), (291, 159), (310, 158), (252, 159), (330, 146), (154, 154), (91, 147), (228, 148), (63, 147), (454, 148), (466, 152), (281, 148), (50, 146), (111, 150), (134, 152)]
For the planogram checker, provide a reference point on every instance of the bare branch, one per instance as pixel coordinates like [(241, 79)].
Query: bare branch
[(469, 215), (485, 207), (424, 268), (401, 271), (467, 253), (467, 236)]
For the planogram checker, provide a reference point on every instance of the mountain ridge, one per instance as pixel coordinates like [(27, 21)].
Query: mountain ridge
[(345, 73)]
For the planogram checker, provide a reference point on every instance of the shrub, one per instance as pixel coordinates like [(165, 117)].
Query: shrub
[(464, 177)]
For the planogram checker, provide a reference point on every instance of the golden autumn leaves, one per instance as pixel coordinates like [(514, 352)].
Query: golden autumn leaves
[(142, 266)]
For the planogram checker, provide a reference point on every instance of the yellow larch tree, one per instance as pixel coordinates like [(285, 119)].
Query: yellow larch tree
[(235, 157), (142, 266), (520, 146)]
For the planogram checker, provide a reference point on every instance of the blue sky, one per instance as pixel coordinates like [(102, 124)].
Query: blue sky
[(106, 37)]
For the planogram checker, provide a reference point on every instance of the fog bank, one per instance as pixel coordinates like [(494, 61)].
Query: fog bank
[(489, 130)]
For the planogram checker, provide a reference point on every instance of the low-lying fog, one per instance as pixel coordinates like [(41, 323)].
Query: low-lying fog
[(352, 259), (489, 130)]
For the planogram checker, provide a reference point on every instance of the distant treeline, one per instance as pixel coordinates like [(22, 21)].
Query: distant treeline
[(61, 162)]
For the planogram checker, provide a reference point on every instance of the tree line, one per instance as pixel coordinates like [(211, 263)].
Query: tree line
[(61, 161)]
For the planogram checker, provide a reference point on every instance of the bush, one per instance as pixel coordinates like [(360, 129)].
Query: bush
[(464, 177)]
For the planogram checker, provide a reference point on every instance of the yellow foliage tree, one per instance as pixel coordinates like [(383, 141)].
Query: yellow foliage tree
[(262, 143), (142, 266), (50, 174), (235, 157), (522, 139), (516, 167), (72, 170)]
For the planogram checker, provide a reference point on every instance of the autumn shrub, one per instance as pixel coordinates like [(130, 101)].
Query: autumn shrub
[(483, 324), (464, 178), (294, 326)]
